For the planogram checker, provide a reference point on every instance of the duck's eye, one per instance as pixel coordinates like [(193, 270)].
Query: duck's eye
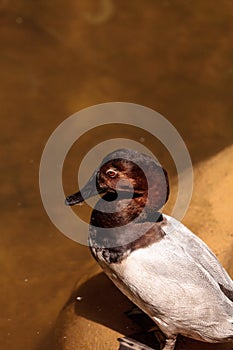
[(111, 173)]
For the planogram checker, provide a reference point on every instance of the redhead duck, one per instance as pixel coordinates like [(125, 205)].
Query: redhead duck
[(158, 263)]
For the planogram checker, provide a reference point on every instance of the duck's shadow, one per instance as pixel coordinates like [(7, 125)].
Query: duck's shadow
[(98, 300)]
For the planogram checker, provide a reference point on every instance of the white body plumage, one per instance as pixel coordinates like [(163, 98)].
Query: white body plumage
[(179, 283)]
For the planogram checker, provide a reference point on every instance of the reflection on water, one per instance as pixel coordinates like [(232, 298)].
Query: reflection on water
[(173, 57)]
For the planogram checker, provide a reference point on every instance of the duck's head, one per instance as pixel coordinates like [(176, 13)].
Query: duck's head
[(126, 174)]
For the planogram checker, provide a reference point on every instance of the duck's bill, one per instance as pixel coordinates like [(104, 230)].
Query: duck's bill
[(89, 190), (73, 199)]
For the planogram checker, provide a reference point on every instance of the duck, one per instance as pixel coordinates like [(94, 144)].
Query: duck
[(158, 263)]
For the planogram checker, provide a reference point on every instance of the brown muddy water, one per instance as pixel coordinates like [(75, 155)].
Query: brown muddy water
[(59, 57)]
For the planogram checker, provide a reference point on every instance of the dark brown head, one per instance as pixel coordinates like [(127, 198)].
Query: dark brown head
[(127, 174)]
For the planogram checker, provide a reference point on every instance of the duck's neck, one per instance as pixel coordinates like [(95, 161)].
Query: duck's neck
[(119, 238), (111, 212)]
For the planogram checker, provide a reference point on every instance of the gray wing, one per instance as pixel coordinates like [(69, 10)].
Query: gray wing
[(201, 253)]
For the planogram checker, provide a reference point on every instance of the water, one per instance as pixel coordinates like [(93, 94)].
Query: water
[(57, 58)]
